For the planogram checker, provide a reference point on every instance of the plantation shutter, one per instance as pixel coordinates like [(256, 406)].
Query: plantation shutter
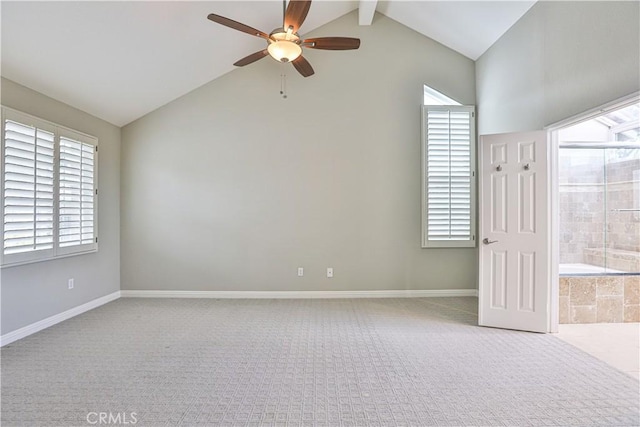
[(76, 194), (28, 185), (49, 190), (448, 176)]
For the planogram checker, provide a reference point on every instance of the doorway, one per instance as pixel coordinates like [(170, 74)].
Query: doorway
[(598, 200), (520, 198)]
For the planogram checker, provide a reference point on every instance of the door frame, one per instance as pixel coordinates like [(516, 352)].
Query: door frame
[(554, 209)]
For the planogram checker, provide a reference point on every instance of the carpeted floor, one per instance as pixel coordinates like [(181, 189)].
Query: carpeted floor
[(356, 362)]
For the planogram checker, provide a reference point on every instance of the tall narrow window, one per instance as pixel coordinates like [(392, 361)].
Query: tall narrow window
[(48, 189), (448, 147)]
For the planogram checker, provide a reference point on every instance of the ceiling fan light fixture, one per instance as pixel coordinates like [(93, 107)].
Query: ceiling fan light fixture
[(284, 50), (284, 45)]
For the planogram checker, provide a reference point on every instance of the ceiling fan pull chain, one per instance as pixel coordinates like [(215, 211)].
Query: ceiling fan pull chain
[(283, 85), (283, 81)]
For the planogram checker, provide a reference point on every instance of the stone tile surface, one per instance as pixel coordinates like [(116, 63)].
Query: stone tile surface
[(632, 313), (583, 291), (564, 286), (564, 310), (583, 314), (632, 289), (599, 299), (610, 309), (609, 285)]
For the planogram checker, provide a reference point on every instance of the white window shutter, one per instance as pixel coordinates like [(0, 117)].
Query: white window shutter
[(448, 146), (77, 195), (48, 190), (28, 185)]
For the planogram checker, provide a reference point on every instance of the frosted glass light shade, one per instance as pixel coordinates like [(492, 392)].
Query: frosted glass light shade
[(284, 50)]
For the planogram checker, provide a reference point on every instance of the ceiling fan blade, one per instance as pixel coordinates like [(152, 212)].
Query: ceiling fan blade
[(236, 25), (332, 43), (251, 58), (296, 14), (303, 66)]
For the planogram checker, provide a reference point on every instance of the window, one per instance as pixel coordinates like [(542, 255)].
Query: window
[(448, 177), (434, 97), (48, 190)]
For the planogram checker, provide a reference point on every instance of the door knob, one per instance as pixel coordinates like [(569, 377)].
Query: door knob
[(488, 242)]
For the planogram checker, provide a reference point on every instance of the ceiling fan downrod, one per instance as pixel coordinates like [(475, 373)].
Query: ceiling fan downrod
[(284, 11)]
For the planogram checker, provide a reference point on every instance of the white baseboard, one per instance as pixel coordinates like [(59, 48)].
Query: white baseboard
[(57, 318), (301, 294)]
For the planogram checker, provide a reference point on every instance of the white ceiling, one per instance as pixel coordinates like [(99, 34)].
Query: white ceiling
[(468, 27), (121, 60)]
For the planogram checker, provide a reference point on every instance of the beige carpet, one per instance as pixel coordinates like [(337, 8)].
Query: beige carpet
[(358, 362)]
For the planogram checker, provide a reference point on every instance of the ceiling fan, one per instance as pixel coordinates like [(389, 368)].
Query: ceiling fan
[(284, 44)]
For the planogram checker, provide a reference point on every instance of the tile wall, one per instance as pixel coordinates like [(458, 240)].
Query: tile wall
[(598, 222), (599, 299)]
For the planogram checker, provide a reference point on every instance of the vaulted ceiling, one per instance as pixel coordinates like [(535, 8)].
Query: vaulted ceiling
[(121, 60)]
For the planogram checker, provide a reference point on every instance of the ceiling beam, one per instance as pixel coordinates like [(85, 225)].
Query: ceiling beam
[(366, 10)]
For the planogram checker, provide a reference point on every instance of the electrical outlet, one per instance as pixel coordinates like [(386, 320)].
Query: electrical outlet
[(300, 271), (70, 283), (330, 272)]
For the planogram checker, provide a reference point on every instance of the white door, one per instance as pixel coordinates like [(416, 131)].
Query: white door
[(514, 232)]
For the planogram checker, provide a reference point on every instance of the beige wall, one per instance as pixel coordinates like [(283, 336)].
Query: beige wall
[(231, 187), (36, 291), (559, 60)]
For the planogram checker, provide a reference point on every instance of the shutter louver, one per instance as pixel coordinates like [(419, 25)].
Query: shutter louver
[(28, 188), (449, 182), (76, 221)]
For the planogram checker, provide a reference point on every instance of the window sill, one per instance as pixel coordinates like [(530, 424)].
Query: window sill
[(35, 261)]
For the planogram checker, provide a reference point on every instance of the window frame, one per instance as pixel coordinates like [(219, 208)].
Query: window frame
[(444, 243), (11, 260)]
